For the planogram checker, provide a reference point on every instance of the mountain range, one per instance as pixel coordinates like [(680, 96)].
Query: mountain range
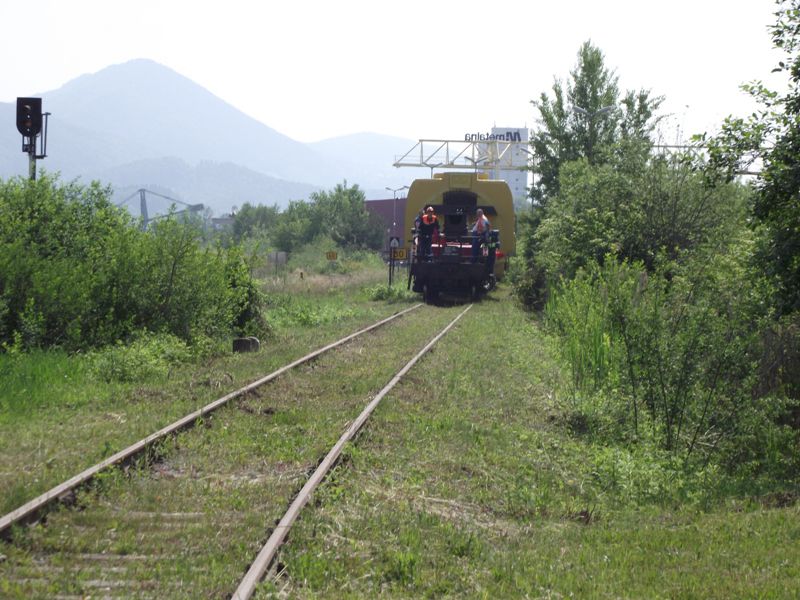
[(142, 125)]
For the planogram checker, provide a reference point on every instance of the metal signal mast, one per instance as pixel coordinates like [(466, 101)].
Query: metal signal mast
[(32, 124)]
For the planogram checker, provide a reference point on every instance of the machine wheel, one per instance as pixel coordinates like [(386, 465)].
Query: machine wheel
[(489, 283)]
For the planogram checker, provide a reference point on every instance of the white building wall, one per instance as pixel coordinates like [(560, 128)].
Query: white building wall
[(517, 179)]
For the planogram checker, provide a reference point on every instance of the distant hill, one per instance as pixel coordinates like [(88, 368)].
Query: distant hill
[(369, 161), (161, 113), (141, 123)]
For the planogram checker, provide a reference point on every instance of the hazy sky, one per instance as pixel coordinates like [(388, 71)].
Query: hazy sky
[(414, 68)]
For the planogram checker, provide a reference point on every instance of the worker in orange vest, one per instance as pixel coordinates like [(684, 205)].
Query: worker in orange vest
[(427, 228)]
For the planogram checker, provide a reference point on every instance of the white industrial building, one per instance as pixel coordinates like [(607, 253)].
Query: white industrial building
[(516, 176)]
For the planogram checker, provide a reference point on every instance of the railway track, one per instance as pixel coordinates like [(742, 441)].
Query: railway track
[(188, 522)]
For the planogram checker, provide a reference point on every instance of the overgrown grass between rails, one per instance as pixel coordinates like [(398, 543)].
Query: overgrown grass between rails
[(467, 483), (236, 472)]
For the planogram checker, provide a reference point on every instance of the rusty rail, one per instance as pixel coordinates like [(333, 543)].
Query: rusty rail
[(267, 554), (33, 507)]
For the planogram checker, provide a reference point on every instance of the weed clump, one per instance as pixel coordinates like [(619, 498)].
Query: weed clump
[(390, 294), (150, 356)]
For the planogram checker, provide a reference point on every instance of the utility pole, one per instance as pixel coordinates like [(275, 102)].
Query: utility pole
[(394, 241), (32, 163), (394, 207)]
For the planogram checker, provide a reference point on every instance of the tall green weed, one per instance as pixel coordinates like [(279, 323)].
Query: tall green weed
[(291, 310), (668, 358), (29, 381)]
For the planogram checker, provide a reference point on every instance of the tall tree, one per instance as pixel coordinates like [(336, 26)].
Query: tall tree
[(771, 135), (249, 219), (585, 119), (342, 214)]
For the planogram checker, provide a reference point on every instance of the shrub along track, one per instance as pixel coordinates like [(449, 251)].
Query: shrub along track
[(185, 521)]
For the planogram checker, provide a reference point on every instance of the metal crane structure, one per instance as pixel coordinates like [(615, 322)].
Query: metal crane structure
[(146, 219), (474, 155)]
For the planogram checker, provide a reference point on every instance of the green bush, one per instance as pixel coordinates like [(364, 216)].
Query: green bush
[(670, 358), (529, 282), (663, 208), (245, 300), (339, 215), (77, 272), (312, 258)]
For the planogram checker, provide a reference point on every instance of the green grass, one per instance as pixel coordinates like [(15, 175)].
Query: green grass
[(59, 414), (468, 483), (36, 381), (287, 310), (187, 525)]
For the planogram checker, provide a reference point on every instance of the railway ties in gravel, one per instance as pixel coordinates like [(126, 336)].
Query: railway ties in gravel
[(188, 525)]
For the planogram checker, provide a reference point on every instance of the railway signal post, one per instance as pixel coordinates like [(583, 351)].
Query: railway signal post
[(394, 245), (32, 124)]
